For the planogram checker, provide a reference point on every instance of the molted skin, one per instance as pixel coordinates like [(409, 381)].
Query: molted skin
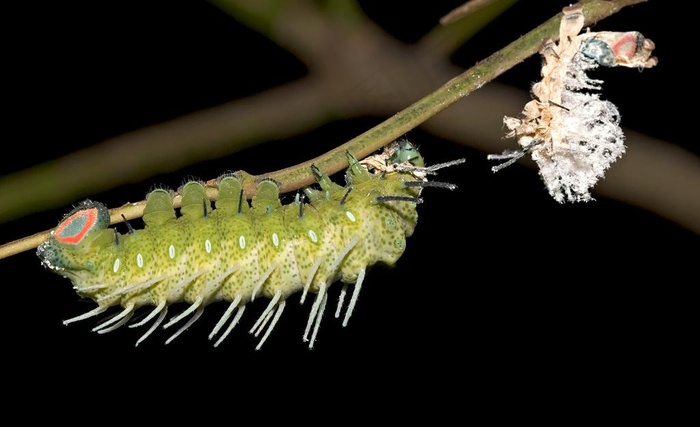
[(238, 251)]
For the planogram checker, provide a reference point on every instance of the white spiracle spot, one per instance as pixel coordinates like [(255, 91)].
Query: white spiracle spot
[(313, 236)]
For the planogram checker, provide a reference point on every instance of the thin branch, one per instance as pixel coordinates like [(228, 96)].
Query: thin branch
[(444, 40), (471, 6)]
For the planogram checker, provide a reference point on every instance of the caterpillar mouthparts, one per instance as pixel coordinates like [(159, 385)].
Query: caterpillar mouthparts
[(236, 251)]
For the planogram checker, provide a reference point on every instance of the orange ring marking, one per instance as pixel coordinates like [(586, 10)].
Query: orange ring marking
[(90, 216)]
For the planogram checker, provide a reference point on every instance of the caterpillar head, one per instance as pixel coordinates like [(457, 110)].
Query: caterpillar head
[(82, 230), (399, 156), (404, 151)]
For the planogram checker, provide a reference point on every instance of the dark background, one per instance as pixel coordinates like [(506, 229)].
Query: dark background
[(500, 291)]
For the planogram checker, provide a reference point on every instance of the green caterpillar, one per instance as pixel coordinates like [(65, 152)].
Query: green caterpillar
[(238, 251)]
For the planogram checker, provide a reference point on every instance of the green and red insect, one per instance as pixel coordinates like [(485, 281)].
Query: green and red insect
[(236, 251)]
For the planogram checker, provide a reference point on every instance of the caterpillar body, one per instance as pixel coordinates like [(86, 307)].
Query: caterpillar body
[(236, 251)]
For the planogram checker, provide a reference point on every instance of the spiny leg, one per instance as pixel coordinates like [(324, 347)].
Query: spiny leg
[(150, 316), (233, 323), (317, 324), (429, 170), (266, 319), (177, 289), (163, 310), (511, 156), (94, 312), (262, 280), (213, 286), (312, 273), (270, 307), (315, 308), (131, 288), (355, 295), (195, 305), (433, 184), (90, 288), (116, 325), (225, 316), (209, 289), (189, 323), (320, 298), (344, 252), (278, 313), (336, 263), (341, 300), (128, 309)]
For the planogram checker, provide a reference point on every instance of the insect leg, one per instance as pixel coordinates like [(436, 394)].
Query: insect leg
[(233, 323), (94, 312), (189, 323), (317, 324), (128, 309), (225, 316), (355, 295)]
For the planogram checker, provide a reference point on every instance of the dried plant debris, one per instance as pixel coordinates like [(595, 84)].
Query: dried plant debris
[(571, 133)]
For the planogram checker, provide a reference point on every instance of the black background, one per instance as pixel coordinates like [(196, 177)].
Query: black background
[(501, 290)]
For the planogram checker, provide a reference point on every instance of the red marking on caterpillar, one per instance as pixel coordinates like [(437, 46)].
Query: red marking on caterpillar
[(84, 220), (240, 251)]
